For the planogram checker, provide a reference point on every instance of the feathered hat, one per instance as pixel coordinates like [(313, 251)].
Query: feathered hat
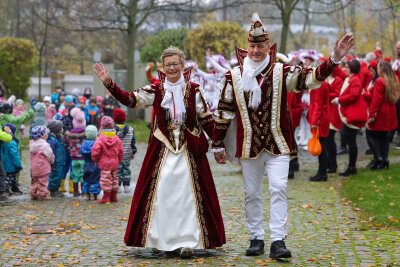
[(257, 33)]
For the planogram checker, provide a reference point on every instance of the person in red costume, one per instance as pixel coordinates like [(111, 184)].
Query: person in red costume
[(318, 117), (175, 204), (335, 124), (295, 109), (382, 113), (253, 96), (373, 67), (352, 111), (396, 69)]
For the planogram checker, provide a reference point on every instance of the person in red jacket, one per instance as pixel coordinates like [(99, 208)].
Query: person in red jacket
[(295, 110), (373, 68), (365, 75), (352, 111), (318, 117), (335, 124), (396, 68), (382, 113)]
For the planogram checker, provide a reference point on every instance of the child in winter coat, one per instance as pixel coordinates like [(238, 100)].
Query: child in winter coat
[(19, 109), (10, 159), (74, 139), (50, 108), (40, 115), (5, 137), (93, 113), (107, 153), (67, 126), (56, 142), (41, 157), (127, 136), (91, 173)]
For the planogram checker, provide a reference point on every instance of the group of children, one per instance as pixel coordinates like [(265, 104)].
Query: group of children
[(95, 149)]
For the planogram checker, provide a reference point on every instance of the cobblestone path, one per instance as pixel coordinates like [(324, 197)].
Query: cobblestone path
[(323, 229)]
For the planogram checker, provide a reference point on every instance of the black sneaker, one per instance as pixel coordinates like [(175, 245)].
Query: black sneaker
[(291, 174), (256, 248), (279, 251)]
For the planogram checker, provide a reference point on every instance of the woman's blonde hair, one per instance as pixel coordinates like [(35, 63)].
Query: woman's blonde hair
[(391, 82), (173, 51)]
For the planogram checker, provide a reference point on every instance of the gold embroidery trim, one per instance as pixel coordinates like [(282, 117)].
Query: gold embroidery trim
[(198, 199), (160, 136), (278, 121), (149, 209), (241, 114)]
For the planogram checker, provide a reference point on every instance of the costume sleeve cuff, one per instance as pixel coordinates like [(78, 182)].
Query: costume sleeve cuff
[(216, 150), (336, 62)]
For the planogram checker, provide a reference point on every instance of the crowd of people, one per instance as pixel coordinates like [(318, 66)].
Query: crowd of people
[(83, 135), (345, 103), (258, 109)]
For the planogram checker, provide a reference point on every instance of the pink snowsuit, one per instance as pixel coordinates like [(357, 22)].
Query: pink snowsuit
[(107, 153), (41, 157)]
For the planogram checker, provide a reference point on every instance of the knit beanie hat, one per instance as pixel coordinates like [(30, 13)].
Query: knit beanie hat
[(83, 99), (78, 118), (91, 132), (7, 108), (119, 115), (99, 99), (55, 126), (38, 132), (11, 126), (47, 98), (69, 99), (18, 101), (40, 110), (107, 122), (354, 66)]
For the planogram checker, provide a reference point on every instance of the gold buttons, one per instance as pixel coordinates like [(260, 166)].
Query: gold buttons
[(261, 125), (260, 113), (262, 137)]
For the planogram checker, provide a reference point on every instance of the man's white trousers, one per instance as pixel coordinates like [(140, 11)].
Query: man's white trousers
[(277, 168)]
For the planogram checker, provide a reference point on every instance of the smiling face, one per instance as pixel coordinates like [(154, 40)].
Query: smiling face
[(173, 68), (257, 52), (398, 49)]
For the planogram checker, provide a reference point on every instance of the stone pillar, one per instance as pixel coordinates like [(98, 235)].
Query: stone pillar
[(57, 78), (106, 58)]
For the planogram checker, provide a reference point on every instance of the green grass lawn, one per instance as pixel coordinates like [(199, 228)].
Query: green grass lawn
[(375, 195), (142, 132)]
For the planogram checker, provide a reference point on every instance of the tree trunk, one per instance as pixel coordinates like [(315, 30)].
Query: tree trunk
[(40, 74), (224, 10), (130, 76), (284, 33)]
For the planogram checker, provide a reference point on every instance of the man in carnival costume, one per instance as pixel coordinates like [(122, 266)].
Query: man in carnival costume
[(253, 126)]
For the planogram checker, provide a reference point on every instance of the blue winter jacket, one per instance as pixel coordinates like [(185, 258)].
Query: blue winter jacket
[(10, 157), (58, 148), (91, 173)]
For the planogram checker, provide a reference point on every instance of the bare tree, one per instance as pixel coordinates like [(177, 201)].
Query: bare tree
[(39, 32)]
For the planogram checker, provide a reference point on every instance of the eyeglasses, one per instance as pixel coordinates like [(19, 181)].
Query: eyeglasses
[(168, 66)]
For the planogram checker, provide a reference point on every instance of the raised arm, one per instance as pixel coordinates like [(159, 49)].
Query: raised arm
[(142, 98), (300, 78)]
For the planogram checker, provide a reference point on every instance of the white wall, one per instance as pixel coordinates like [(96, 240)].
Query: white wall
[(69, 82)]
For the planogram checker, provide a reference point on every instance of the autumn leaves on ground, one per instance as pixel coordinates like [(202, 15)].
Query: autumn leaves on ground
[(329, 224)]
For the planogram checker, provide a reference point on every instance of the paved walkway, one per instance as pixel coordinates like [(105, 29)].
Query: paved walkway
[(323, 231)]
